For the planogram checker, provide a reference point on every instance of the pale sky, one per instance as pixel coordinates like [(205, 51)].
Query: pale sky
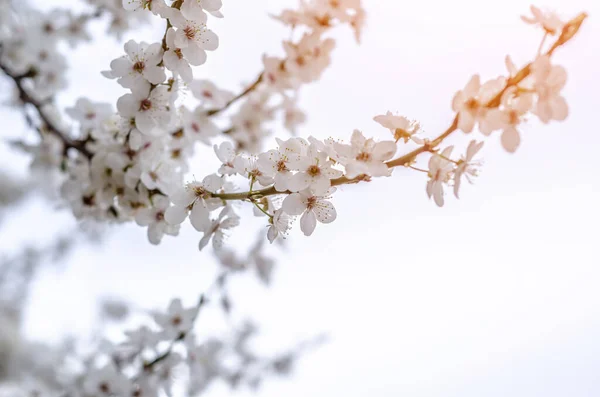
[(494, 294)]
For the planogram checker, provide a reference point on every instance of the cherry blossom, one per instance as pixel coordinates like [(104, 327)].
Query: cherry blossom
[(151, 110), (195, 198), (549, 80), (312, 207), (315, 172), (217, 229), (365, 156), (440, 172), (278, 163), (280, 225), (154, 218), (139, 67), (548, 20), (400, 126), (466, 166), (176, 321)]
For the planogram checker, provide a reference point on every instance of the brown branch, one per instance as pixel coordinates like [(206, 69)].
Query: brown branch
[(568, 32), (51, 128), (248, 90)]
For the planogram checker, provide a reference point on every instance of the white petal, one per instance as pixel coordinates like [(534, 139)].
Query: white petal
[(293, 204), (176, 215), (308, 222)]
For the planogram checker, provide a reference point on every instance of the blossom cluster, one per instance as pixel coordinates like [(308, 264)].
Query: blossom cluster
[(132, 164)]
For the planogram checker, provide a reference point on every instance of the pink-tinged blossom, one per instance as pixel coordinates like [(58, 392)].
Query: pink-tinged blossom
[(315, 172), (400, 127), (307, 59), (470, 103), (508, 117), (365, 156), (440, 172), (193, 35), (466, 166), (548, 20), (312, 207), (549, 80), (278, 163), (210, 95), (179, 62), (248, 166)]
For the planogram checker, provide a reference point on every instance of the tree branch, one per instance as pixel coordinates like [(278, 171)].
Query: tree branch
[(50, 126), (248, 90), (568, 32)]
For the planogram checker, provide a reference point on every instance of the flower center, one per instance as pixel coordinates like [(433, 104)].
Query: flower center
[(311, 202), (139, 66), (313, 170), (160, 216), (104, 388), (178, 53), (472, 104), (145, 105), (281, 166), (189, 32), (363, 156)]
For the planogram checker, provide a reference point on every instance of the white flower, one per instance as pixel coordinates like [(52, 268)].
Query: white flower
[(195, 198), (365, 156), (466, 166), (107, 382), (226, 220), (178, 60), (440, 172), (279, 224), (139, 66), (312, 207), (198, 127), (140, 339), (210, 94), (193, 34), (315, 172), (277, 163), (194, 9), (152, 111), (400, 126), (154, 218), (176, 321), (226, 153), (89, 114), (158, 7), (249, 167), (161, 176)]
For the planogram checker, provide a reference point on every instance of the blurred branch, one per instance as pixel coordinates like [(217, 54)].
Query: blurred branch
[(50, 126)]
